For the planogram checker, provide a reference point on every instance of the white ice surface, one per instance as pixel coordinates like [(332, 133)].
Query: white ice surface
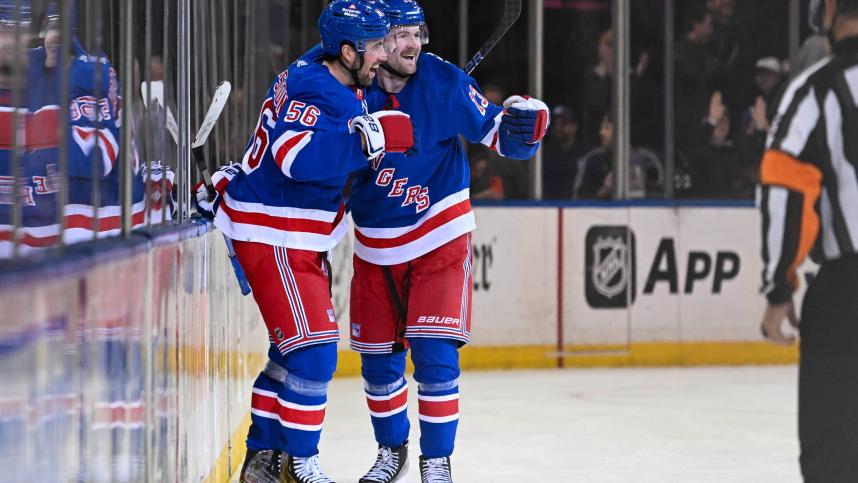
[(597, 425)]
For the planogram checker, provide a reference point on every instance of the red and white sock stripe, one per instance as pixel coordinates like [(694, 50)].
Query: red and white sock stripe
[(264, 404), (299, 416), (438, 409), (388, 405)]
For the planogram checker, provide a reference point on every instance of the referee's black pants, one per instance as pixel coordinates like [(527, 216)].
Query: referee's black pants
[(828, 375)]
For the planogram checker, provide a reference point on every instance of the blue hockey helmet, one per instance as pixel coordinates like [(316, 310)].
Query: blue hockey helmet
[(353, 21), (406, 13)]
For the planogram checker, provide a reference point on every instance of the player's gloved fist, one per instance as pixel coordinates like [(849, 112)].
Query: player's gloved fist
[(525, 118), (384, 131), (220, 179)]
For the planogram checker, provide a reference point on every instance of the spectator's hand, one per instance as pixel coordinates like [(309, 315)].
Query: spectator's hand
[(643, 64), (607, 188), (758, 115), (772, 324), (721, 131), (716, 108)]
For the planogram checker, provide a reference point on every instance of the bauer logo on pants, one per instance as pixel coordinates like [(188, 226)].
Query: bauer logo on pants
[(610, 259)]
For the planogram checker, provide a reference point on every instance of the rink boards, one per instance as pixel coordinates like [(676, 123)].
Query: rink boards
[(612, 285), (101, 351)]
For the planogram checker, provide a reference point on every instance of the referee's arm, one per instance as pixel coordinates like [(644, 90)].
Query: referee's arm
[(790, 186)]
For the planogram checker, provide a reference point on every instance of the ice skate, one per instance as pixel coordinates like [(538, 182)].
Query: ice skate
[(390, 465), (435, 470), (261, 467), (302, 470)]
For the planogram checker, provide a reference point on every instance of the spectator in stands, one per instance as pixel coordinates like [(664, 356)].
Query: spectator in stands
[(597, 88), (513, 174), (730, 44), (697, 72), (595, 179), (560, 155), (751, 140), (713, 163), (494, 94), (768, 79), (486, 184), (725, 40), (597, 91)]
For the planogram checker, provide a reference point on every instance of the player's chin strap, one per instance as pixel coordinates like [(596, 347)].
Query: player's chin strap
[(353, 72), (394, 72)]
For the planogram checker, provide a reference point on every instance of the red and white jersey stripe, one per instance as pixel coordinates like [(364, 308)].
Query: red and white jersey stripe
[(87, 137), (438, 409), (388, 405), (80, 221), (305, 229), (287, 147), (444, 221)]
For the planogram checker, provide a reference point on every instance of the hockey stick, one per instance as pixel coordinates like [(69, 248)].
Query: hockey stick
[(215, 108), (158, 97), (511, 11)]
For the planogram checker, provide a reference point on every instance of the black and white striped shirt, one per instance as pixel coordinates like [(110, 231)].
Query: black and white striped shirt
[(809, 174)]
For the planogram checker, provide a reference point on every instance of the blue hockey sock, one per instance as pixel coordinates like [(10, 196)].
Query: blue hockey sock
[(387, 396), (304, 396), (265, 430), (436, 369)]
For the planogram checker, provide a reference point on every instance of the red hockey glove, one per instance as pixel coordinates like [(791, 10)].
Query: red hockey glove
[(385, 131)]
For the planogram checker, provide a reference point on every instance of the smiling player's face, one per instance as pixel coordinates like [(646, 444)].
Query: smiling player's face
[(375, 55), (408, 46)]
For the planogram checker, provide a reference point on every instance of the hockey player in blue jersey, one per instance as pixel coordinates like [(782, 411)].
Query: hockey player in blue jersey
[(94, 151), (283, 208), (412, 265)]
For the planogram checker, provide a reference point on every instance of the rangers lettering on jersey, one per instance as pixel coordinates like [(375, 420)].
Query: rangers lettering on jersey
[(424, 204)]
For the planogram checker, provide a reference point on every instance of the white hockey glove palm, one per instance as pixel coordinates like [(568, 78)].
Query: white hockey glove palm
[(384, 131)]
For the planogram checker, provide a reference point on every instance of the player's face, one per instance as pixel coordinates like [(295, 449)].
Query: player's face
[(409, 42), (375, 55)]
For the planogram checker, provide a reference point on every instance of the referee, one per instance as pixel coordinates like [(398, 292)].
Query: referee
[(809, 204)]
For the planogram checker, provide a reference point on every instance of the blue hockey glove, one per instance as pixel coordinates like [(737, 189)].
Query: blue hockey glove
[(525, 119), (522, 126)]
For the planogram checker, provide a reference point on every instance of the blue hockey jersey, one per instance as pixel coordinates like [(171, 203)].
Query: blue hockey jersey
[(404, 207), (94, 109), (289, 190)]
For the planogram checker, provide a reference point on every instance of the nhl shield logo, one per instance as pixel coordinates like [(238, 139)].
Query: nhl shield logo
[(610, 270), (610, 260)]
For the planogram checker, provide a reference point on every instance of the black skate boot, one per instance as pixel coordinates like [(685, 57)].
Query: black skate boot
[(390, 465), (302, 470), (435, 470), (261, 467)]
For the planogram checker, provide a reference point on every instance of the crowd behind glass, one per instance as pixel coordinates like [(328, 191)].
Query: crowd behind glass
[(729, 65)]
